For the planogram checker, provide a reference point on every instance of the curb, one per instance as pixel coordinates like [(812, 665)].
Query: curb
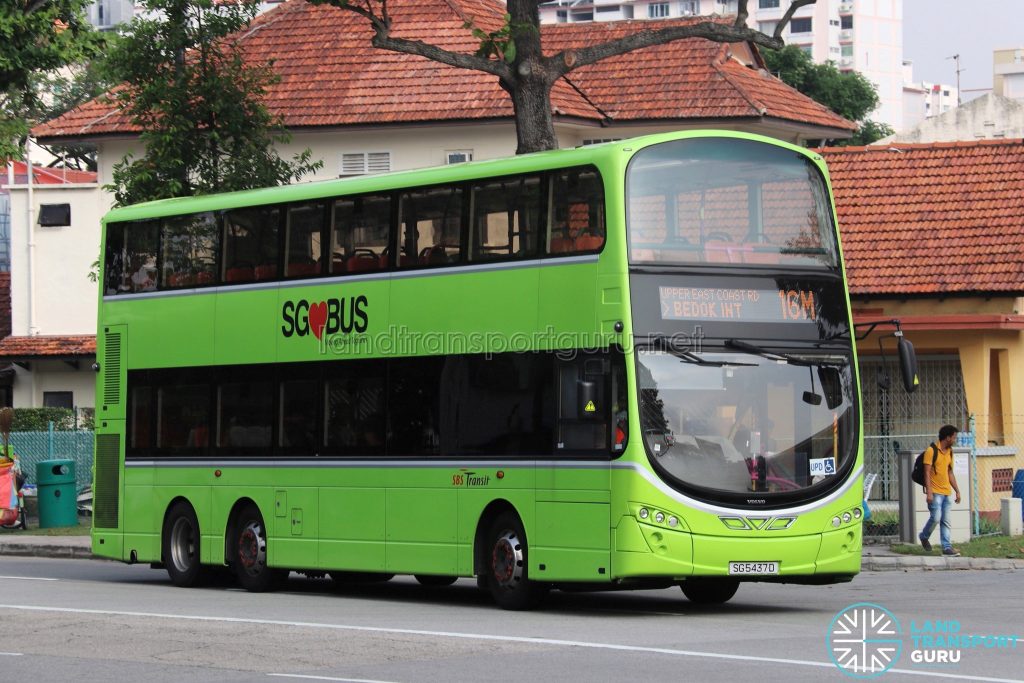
[(21, 549), (925, 563)]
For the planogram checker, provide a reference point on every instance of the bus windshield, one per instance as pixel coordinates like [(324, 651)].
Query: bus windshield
[(740, 423), (727, 201)]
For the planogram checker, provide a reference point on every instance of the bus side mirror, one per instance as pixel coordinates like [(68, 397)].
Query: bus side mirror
[(908, 364), (587, 396)]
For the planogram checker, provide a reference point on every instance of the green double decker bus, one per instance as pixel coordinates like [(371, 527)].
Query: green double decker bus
[(622, 365)]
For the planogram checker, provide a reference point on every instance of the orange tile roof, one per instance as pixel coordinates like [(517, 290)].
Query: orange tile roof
[(330, 75), (936, 218), (42, 347)]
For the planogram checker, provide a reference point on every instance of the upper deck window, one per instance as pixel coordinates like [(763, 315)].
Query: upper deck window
[(506, 218), (304, 229), (250, 244), (189, 250), (429, 224), (727, 201), (577, 211), (131, 257)]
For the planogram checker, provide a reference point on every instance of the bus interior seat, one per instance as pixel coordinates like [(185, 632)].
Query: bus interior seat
[(266, 271), (238, 274), (561, 245), (295, 269), (204, 277), (361, 261), (589, 242)]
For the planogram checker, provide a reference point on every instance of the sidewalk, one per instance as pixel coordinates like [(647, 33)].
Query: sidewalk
[(877, 558)]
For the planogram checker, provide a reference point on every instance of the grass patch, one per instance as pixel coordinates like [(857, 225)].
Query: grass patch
[(988, 546)]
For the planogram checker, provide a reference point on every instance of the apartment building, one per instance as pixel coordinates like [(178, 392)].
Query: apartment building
[(1008, 73), (865, 35)]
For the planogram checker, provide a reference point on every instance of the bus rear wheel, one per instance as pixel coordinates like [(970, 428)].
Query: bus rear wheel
[(250, 553), (506, 566), (710, 591), (180, 549), (434, 581)]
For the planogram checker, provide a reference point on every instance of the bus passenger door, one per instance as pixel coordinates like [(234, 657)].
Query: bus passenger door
[(572, 533)]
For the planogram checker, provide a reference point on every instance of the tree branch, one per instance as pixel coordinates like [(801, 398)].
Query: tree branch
[(560, 64), (741, 14), (797, 4), (382, 39)]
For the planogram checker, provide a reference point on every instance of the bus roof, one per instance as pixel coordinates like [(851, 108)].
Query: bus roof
[(537, 161)]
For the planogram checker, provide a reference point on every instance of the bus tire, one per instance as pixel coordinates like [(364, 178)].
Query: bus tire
[(181, 546), (506, 565), (709, 591), (434, 581), (250, 553)]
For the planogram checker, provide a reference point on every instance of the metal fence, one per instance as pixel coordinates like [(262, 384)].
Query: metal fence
[(34, 447), (993, 462)]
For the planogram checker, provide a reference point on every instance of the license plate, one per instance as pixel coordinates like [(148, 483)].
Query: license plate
[(753, 568)]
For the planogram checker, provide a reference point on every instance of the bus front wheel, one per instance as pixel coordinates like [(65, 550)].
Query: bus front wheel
[(506, 565), (181, 546), (710, 591), (250, 553)]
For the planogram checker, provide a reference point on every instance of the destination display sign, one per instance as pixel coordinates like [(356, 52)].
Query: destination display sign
[(728, 304)]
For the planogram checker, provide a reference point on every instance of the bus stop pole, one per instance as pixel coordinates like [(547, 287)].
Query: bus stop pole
[(908, 525)]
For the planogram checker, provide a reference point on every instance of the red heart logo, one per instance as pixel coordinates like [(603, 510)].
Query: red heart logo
[(318, 318)]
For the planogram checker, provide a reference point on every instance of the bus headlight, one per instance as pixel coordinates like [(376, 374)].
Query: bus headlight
[(673, 521), (644, 513), (847, 517), (659, 517), (856, 513), (836, 521)]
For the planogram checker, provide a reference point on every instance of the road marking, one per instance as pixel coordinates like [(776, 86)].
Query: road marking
[(11, 654), (329, 678), (27, 578), (485, 636)]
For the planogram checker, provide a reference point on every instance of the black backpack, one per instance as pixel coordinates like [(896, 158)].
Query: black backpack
[(917, 474)]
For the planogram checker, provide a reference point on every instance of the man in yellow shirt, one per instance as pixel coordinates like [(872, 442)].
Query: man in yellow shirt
[(939, 485)]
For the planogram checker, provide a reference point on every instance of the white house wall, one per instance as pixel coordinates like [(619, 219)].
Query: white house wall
[(43, 376), (65, 298)]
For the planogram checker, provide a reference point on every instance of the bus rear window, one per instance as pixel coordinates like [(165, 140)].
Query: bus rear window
[(727, 201)]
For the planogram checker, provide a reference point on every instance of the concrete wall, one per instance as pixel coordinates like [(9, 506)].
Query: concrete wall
[(992, 360), (43, 376), (987, 117), (64, 297)]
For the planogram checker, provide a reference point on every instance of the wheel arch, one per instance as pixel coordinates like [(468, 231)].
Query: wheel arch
[(230, 531), (490, 513), (171, 504)]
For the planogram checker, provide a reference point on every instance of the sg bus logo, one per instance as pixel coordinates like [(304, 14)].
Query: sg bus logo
[(329, 316)]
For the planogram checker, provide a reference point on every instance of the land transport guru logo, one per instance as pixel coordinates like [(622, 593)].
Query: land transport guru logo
[(865, 640), (331, 316)]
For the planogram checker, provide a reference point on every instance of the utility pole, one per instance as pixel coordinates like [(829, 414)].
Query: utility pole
[(956, 60)]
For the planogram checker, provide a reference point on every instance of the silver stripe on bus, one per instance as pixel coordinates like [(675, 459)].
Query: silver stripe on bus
[(504, 465), (368, 277), (352, 463)]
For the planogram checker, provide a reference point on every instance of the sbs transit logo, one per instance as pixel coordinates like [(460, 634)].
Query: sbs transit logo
[(330, 316), (864, 640)]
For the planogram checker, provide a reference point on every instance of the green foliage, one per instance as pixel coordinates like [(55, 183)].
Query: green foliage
[(199, 106), (38, 419), (848, 94), (36, 38), (869, 132), (501, 43)]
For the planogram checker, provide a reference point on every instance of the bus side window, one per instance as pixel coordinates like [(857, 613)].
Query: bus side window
[(250, 244), (430, 227), (354, 403), (303, 234), (505, 218), (183, 411), (188, 250), (360, 233), (577, 212), (131, 257)]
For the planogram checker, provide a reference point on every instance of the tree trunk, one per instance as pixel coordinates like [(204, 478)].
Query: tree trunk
[(531, 88), (531, 101)]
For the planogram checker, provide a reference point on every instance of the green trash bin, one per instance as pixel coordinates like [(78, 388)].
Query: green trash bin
[(58, 504)]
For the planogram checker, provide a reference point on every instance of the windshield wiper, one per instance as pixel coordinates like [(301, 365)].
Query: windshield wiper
[(659, 341), (783, 357)]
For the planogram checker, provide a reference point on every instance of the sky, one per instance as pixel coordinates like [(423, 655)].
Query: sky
[(935, 29)]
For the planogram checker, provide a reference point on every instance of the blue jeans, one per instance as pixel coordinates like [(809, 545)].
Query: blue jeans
[(939, 507)]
